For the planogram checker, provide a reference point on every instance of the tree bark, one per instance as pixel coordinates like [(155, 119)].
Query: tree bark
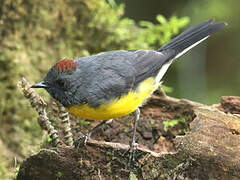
[(204, 144)]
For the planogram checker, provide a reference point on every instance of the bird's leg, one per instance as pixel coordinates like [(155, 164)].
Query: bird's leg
[(133, 143), (97, 127), (89, 133)]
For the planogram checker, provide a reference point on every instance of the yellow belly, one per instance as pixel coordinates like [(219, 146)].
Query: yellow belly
[(117, 108)]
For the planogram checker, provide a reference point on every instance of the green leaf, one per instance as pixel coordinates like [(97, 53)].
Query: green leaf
[(133, 176), (161, 19), (167, 89), (146, 24)]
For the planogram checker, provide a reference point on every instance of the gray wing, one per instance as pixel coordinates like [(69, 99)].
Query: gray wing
[(148, 63), (110, 75)]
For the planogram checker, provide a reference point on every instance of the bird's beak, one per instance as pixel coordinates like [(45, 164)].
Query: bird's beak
[(42, 84)]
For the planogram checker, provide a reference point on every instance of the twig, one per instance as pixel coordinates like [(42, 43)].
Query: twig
[(161, 92), (63, 115), (120, 146), (40, 106)]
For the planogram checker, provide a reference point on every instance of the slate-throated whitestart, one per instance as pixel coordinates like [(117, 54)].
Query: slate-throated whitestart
[(115, 83)]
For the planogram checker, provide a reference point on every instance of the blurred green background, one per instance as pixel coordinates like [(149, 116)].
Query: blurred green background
[(36, 34), (210, 70)]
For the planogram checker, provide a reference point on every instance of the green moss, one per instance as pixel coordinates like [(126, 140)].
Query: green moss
[(82, 122), (173, 123), (59, 175), (133, 176)]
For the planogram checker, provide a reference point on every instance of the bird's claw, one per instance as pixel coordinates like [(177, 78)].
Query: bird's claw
[(82, 140), (131, 150)]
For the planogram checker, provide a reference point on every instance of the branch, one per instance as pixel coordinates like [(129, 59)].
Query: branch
[(40, 106), (210, 149), (63, 116)]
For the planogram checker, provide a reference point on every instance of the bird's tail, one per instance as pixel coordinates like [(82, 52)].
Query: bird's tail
[(191, 37)]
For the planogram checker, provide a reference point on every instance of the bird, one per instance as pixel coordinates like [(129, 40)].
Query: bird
[(116, 83)]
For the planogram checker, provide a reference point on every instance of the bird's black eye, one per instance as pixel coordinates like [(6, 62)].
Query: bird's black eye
[(61, 83)]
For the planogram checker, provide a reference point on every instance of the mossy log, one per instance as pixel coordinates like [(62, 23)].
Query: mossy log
[(209, 150)]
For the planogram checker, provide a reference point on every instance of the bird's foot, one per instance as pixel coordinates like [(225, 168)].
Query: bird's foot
[(82, 140), (131, 151)]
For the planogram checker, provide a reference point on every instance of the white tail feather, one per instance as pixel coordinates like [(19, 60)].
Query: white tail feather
[(163, 70), (190, 47), (165, 66)]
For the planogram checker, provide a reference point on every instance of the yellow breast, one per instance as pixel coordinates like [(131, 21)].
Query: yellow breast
[(117, 107)]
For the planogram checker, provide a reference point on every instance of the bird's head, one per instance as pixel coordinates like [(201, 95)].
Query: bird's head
[(60, 81)]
